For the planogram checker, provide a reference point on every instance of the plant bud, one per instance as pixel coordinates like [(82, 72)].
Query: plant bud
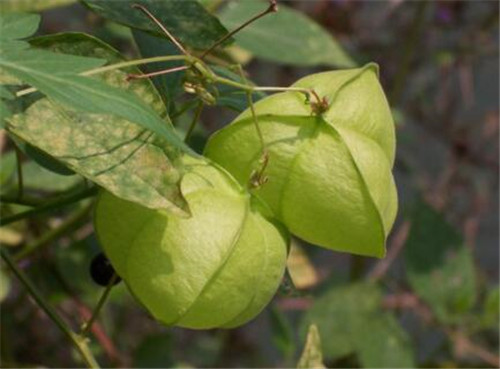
[(330, 160), (217, 268)]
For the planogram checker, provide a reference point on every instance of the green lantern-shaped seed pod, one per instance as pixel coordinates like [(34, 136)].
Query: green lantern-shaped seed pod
[(217, 268), (329, 173)]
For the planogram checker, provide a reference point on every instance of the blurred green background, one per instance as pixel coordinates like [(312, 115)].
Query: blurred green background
[(432, 302)]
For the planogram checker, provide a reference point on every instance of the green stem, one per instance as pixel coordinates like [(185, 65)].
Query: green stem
[(19, 165), (250, 88), (88, 326), (408, 52), (184, 108), (120, 65), (51, 205), (78, 342), (55, 233), (26, 200), (197, 114)]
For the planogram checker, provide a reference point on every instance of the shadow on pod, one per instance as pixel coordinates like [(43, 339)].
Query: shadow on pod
[(217, 268), (330, 179)]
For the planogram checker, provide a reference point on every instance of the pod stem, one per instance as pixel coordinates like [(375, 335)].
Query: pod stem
[(257, 178), (196, 117), (50, 205), (86, 327)]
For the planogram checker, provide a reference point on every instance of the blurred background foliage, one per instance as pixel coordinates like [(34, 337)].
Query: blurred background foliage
[(432, 302)]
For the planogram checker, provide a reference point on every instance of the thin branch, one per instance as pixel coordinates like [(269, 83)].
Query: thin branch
[(273, 7), (55, 233), (162, 27), (95, 313), (49, 206), (26, 200), (78, 342), (157, 73), (463, 345)]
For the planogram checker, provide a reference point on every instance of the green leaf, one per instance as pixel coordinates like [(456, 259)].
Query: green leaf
[(186, 20), (53, 75), (312, 356), (384, 344), (491, 308), (124, 158), (287, 36), (5, 113), (168, 85), (42, 159), (47, 161), (18, 26), (5, 93), (341, 315), (38, 178), (439, 266), (7, 168), (282, 333), (7, 6), (154, 352), (351, 318)]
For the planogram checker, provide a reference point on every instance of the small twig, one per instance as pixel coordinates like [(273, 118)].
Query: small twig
[(48, 206), (157, 73), (88, 326), (197, 114), (397, 244), (273, 7), (162, 27), (463, 345), (78, 342)]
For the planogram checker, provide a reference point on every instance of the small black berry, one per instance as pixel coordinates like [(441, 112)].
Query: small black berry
[(102, 271)]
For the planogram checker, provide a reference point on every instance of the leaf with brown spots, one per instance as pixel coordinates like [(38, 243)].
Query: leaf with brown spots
[(126, 159)]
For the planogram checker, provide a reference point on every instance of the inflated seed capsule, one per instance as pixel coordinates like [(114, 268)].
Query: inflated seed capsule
[(217, 268), (330, 161), (102, 271)]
